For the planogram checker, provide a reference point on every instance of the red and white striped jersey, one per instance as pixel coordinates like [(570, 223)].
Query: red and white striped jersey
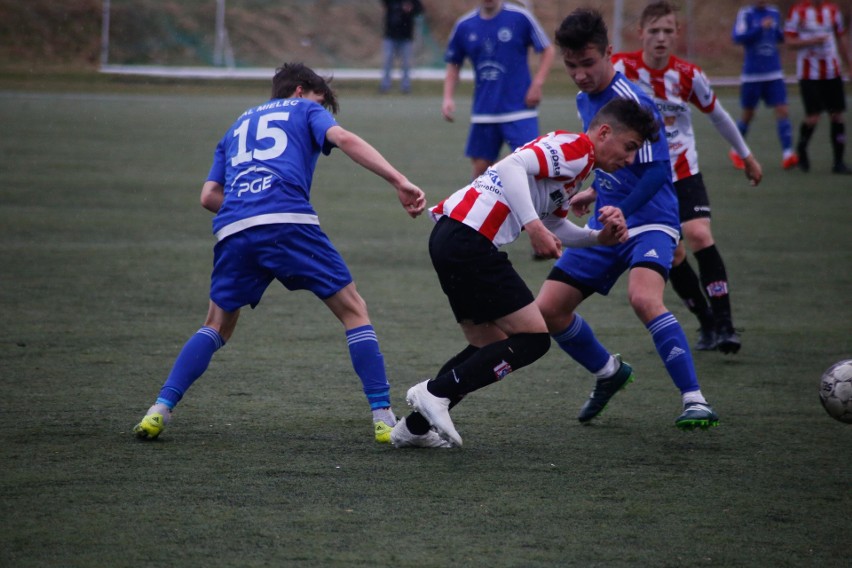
[(556, 165), (673, 88), (807, 20)]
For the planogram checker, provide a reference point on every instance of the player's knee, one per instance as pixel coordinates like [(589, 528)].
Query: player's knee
[(698, 236), (646, 306)]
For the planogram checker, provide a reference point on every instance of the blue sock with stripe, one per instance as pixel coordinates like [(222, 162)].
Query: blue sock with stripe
[(673, 348), (785, 133), (579, 341), (369, 365), (190, 364)]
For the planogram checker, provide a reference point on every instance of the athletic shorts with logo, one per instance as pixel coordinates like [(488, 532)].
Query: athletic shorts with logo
[(596, 269), (693, 201)]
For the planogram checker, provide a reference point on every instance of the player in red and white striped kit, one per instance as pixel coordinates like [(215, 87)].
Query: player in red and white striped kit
[(676, 85), (528, 190), (817, 32)]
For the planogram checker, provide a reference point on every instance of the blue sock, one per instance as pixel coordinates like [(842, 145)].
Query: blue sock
[(579, 341), (190, 364), (785, 133), (742, 127), (673, 349), (369, 365)]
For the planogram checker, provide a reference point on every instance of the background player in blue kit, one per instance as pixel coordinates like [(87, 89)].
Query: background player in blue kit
[(259, 187), (496, 37), (645, 194), (760, 30)]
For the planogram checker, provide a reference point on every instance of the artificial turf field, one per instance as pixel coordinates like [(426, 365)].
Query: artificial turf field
[(104, 264)]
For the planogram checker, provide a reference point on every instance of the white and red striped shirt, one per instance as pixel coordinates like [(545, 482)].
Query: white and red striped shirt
[(807, 20), (556, 165), (673, 88)]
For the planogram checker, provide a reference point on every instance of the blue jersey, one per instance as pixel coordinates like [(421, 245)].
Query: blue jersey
[(498, 49), (660, 212), (762, 61), (266, 164)]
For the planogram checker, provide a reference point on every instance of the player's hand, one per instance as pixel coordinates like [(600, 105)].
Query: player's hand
[(448, 109), (533, 96), (581, 202), (753, 170), (544, 243), (412, 198), (615, 226)]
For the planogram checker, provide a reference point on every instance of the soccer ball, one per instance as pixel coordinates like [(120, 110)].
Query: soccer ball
[(835, 391)]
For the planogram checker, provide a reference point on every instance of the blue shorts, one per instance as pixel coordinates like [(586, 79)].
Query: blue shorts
[(773, 93), (596, 269), (485, 140), (299, 256)]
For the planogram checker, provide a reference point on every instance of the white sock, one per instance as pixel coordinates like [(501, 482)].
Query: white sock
[(384, 415), (609, 369), (160, 408), (693, 396)]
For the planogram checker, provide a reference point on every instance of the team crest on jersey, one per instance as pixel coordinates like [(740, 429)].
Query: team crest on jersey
[(502, 370), (603, 180), (504, 34)]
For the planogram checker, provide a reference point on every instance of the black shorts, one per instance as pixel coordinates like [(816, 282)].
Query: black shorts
[(478, 279), (822, 95), (692, 198)]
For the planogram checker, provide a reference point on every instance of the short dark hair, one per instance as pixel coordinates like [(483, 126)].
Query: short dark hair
[(292, 75), (630, 115), (656, 10), (580, 28)]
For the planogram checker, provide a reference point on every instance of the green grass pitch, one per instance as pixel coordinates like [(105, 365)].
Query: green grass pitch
[(104, 263)]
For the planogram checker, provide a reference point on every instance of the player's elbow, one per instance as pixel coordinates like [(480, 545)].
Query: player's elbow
[(341, 137), (211, 196)]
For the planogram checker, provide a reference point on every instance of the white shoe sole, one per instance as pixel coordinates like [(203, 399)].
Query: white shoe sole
[(435, 410), (401, 437)]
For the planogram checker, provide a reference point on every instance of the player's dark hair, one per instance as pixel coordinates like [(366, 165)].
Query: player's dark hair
[(292, 75), (630, 115), (656, 10), (582, 27)]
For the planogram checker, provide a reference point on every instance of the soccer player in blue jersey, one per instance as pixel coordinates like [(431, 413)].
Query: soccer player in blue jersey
[(760, 30), (645, 195), (259, 188), (496, 38)]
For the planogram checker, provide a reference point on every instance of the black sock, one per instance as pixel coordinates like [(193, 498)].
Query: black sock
[(838, 141), (686, 285), (805, 133), (490, 364), (416, 422), (714, 277)]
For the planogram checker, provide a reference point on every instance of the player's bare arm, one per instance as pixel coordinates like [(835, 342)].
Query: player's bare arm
[(535, 92), (448, 107), (361, 152), (212, 195)]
